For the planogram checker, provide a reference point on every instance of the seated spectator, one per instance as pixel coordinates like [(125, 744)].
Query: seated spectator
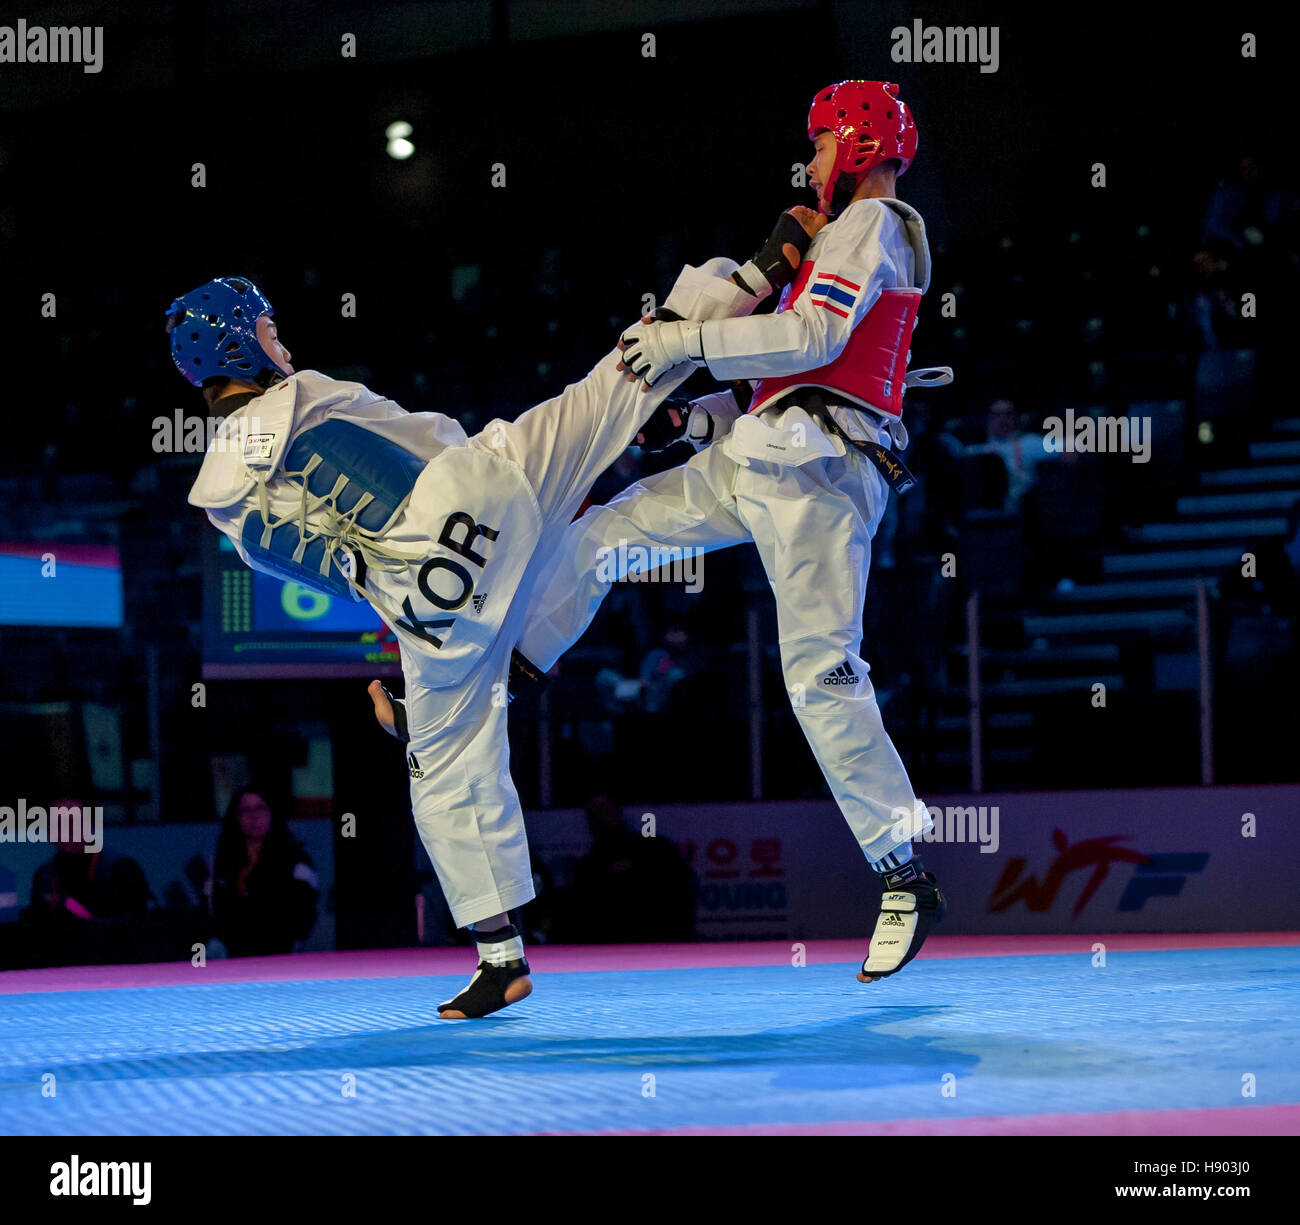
[(1255, 217), (263, 884), (629, 888), (1271, 585), (1020, 452), (924, 520), (85, 900), (1215, 306), (1255, 638)]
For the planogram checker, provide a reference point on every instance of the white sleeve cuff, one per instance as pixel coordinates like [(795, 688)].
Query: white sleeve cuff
[(753, 276), (709, 292)]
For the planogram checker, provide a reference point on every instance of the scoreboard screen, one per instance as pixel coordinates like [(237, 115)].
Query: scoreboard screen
[(255, 625)]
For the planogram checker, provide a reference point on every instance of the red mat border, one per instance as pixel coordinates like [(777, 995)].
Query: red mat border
[(1232, 1121)]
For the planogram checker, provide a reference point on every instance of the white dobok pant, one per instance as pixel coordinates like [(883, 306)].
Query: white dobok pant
[(812, 522), (467, 811)]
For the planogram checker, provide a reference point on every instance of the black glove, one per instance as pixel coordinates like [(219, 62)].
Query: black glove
[(666, 426), (770, 259)]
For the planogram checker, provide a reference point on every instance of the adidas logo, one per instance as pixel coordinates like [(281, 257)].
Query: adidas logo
[(842, 675), (479, 601), (891, 920), (416, 772)]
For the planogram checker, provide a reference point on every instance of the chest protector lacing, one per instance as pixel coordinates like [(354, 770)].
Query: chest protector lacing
[(351, 486)]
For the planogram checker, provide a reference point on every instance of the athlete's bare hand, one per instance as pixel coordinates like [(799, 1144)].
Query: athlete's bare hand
[(383, 707), (811, 220)]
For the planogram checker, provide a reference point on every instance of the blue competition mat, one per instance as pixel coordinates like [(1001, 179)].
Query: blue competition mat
[(649, 1049)]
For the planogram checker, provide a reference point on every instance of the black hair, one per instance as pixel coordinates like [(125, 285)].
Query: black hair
[(279, 846), (212, 388)]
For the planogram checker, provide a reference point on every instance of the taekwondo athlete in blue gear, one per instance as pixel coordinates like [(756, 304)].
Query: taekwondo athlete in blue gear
[(445, 534)]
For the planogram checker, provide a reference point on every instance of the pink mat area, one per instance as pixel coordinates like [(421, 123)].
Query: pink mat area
[(560, 959), (1219, 1121)]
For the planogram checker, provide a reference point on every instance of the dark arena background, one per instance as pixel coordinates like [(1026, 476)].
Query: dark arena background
[(1087, 659)]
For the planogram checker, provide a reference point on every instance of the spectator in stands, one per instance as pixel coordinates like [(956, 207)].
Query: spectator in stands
[(1254, 218), (925, 520), (639, 886), (663, 668), (666, 665), (1256, 669), (264, 888), (84, 901), (1271, 583), (1020, 452), (1292, 546), (1250, 236), (1215, 306)]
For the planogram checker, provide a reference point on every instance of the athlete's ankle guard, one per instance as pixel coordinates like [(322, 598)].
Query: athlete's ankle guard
[(501, 961)]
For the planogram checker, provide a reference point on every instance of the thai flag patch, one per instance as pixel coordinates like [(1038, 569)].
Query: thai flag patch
[(833, 293)]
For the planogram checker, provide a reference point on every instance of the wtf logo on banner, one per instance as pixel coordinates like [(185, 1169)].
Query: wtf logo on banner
[(1156, 876)]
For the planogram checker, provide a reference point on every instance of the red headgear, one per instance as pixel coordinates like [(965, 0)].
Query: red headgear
[(870, 125)]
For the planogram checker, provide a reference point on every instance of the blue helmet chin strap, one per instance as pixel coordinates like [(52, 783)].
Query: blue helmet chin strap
[(213, 333)]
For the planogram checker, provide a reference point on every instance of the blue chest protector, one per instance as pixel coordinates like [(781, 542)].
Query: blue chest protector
[(352, 485)]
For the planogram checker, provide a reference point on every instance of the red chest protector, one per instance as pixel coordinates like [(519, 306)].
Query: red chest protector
[(872, 368)]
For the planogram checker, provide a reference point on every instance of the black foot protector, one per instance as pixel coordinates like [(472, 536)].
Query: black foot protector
[(910, 905), (495, 984), (400, 728)]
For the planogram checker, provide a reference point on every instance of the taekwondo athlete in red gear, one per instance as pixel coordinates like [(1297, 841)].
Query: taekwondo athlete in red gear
[(805, 475), (326, 483)]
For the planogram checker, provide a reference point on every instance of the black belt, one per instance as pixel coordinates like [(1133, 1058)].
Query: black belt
[(887, 462), (895, 472)]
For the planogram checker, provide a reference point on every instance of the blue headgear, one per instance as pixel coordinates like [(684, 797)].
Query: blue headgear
[(215, 334)]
